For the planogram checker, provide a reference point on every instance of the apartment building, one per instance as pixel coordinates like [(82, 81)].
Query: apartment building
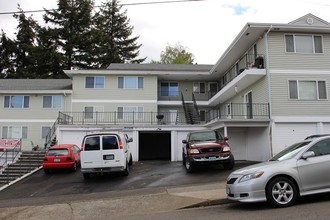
[(268, 90)]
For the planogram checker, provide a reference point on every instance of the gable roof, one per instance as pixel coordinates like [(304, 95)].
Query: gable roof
[(310, 20), (35, 84)]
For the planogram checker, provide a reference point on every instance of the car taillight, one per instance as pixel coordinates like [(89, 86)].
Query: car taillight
[(120, 144), (69, 158), (226, 149)]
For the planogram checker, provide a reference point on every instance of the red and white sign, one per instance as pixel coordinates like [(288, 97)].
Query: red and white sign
[(5, 143)]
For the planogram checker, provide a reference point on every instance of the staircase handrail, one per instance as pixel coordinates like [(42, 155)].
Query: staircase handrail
[(196, 107), (4, 156)]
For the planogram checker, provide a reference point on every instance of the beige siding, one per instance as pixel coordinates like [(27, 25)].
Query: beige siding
[(283, 106), (279, 59), (111, 90)]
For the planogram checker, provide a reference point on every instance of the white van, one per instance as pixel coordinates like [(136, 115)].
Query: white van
[(105, 153)]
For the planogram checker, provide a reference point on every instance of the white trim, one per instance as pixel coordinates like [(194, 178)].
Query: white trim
[(299, 72), (36, 92), (112, 101), (300, 119), (27, 120)]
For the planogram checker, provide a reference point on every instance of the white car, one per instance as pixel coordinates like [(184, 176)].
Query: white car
[(299, 170), (105, 153)]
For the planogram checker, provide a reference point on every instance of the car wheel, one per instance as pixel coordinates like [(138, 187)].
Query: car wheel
[(74, 168), (87, 176), (126, 171), (130, 163), (189, 166), (281, 192), (229, 165)]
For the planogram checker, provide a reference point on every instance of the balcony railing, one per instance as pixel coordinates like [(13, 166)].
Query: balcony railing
[(248, 61), (234, 111), (239, 111)]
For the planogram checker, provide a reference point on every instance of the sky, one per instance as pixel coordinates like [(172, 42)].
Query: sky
[(206, 28)]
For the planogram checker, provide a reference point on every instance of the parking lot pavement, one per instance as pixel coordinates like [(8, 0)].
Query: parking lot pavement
[(152, 186)]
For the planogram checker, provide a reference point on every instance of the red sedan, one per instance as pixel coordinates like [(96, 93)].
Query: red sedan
[(62, 156)]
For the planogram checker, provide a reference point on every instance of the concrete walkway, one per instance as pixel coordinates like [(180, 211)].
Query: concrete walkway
[(116, 205)]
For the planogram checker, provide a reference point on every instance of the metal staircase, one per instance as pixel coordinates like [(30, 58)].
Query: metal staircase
[(27, 162), (191, 111)]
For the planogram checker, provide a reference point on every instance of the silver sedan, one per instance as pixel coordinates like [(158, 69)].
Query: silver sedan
[(299, 170)]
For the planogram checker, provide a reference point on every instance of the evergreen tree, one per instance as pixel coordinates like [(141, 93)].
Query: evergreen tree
[(25, 61), (7, 56), (70, 31), (114, 35)]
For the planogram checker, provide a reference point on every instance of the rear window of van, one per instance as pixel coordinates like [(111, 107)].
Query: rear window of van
[(92, 143), (110, 142)]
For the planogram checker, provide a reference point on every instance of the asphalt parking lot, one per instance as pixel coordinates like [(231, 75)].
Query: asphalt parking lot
[(143, 174)]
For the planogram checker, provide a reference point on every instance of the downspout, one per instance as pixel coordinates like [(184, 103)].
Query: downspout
[(269, 91)]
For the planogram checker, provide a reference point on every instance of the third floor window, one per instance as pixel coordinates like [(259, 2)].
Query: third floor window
[(303, 43), (130, 82), (17, 101), (96, 82)]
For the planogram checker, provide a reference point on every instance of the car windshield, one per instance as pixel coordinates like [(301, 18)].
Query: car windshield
[(290, 152), (57, 152), (205, 136)]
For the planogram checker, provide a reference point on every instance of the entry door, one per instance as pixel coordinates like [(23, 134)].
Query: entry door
[(213, 89), (248, 103)]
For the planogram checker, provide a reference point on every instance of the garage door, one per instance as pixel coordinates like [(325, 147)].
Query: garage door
[(154, 146)]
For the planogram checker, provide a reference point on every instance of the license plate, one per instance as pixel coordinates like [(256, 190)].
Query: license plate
[(212, 158), (57, 160), (108, 157)]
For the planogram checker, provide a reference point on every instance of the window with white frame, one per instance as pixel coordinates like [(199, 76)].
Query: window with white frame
[(129, 113), (307, 90), (94, 82), (44, 132), (130, 82), (52, 101), (169, 89), (94, 112), (303, 43), (12, 132), (17, 101), (229, 110), (199, 88)]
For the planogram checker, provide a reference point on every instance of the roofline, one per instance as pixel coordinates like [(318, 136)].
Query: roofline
[(36, 92)]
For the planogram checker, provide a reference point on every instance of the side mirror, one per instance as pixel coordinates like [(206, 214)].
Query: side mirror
[(308, 154), (226, 138), (184, 141), (129, 140)]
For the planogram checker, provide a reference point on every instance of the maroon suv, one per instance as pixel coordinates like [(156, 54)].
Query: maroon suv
[(206, 148)]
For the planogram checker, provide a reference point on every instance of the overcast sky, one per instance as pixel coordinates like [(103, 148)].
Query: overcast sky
[(206, 28)]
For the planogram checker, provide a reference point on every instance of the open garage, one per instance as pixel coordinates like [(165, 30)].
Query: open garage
[(154, 145)]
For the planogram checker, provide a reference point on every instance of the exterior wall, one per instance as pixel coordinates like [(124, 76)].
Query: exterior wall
[(283, 106), (34, 118), (279, 59), (111, 90)]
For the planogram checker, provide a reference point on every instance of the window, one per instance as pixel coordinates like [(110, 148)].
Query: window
[(130, 82), (44, 132), (54, 101), (202, 114), (303, 44), (96, 82), (109, 143), (169, 89), (307, 90), (321, 148), (92, 143), (130, 113), (17, 101), (9, 132), (94, 112), (199, 88)]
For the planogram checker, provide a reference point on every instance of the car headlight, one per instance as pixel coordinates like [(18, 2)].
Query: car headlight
[(193, 151), (251, 176), (226, 148)]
